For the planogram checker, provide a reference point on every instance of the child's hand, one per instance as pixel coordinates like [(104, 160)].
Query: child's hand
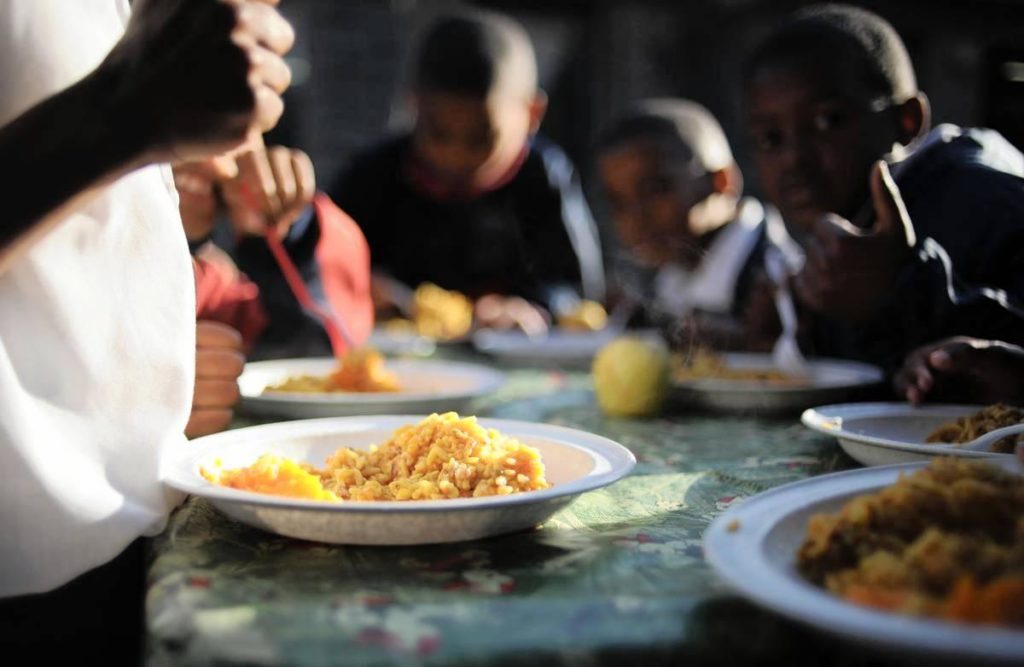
[(273, 186), (963, 369), (219, 362), (510, 312), (200, 77), (849, 270)]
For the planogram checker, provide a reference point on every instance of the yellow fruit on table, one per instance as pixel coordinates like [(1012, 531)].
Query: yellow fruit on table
[(631, 376)]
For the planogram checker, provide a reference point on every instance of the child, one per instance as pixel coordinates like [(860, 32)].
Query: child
[(471, 199), (694, 243), (98, 336), (237, 279), (829, 96)]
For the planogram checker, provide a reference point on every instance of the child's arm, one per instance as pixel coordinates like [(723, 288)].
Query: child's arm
[(138, 107), (332, 256), (963, 369)]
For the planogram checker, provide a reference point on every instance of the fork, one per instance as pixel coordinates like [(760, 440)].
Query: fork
[(786, 354)]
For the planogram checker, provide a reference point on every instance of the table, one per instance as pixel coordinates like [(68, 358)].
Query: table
[(616, 578)]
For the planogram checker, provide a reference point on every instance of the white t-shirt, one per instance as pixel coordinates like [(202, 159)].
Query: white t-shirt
[(711, 285), (97, 335)]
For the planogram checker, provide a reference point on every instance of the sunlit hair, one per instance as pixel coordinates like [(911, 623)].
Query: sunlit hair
[(841, 32), (475, 53), (682, 128)]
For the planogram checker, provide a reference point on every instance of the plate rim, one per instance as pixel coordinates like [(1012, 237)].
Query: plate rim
[(819, 421), (491, 380), (872, 375), (180, 472), (783, 592), (526, 347)]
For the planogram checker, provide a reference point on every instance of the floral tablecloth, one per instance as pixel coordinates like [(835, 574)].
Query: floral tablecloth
[(617, 578)]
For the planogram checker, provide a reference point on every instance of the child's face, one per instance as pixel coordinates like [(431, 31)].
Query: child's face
[(815, 130), (652, 198), (469, 141)]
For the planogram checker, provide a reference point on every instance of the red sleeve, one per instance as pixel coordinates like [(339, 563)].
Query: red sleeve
[(344, 259), (229, 299)]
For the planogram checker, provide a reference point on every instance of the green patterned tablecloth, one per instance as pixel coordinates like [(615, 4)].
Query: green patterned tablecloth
[(617, 578)]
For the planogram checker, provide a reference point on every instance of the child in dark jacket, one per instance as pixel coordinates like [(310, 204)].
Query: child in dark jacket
[(471, 199)]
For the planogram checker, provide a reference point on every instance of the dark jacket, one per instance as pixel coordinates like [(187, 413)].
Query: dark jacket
[(533, 236)]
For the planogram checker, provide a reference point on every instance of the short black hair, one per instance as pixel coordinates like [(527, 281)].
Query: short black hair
[(867, 39), (475, 53), (682, 126)]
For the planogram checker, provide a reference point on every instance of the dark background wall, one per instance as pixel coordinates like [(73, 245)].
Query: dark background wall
[(598, 55)]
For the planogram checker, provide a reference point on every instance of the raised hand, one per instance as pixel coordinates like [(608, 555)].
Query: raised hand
[(849, 270), (273, 186), (200, 77)]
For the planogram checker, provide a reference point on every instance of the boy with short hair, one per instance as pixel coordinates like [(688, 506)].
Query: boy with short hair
[(693, 243), (894, 260), (471, 199)]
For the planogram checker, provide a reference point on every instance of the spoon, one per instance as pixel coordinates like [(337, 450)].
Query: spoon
[(786, 354), (983, 443)]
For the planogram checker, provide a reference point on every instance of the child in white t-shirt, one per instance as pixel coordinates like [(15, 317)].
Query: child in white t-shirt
[(97, 332)]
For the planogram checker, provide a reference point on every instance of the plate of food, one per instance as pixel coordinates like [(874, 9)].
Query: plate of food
[(432, 316), (569, 349), (923, 559), (362, 383), (750, 382), (400, 342), (397, 479), (886, 433)]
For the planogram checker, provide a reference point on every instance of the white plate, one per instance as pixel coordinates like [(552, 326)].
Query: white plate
[(831, 380), (574, 461), (758, 559), (427, 386), (563, 349), (885, 433), (393, 343)]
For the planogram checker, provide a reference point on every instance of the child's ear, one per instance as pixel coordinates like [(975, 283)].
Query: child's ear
[(538, 107), (914, 118), (727, 181)]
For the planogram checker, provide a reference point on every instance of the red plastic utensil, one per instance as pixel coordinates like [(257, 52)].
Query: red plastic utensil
[(333, 324)]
